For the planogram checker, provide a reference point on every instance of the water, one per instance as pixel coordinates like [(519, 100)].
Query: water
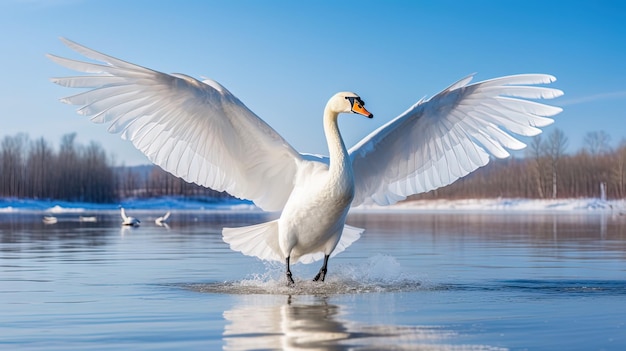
[(425, 281)]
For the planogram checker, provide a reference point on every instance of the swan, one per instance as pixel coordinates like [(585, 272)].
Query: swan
[(163, 219), (50, 220), (201, 132), (128, 221), (87, 218)]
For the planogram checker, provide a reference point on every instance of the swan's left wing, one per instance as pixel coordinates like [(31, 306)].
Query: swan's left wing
[(195, 130), (446, 137)]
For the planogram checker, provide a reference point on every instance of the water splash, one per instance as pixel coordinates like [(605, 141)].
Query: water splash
[(380, 273)]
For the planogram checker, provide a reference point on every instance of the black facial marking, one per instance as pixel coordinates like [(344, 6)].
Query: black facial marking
[(352, 99)]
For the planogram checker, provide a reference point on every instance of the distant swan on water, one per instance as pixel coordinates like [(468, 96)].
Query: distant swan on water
[(87, 218), (127, 220), (199, 131), (160, 221), (49, 220)]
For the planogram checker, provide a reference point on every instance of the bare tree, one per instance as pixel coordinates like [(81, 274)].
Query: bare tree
[(557, 142), (536, 151), (129, 183), (12, 156), (67, 169), (618, 171), (39, 167), (597, 142), (98, 178)]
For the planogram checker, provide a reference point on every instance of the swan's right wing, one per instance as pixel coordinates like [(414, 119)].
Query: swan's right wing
[(195, 130), (441, 139)]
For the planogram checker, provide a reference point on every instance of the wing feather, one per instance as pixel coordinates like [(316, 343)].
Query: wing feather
[(196, 130), (439, 140)]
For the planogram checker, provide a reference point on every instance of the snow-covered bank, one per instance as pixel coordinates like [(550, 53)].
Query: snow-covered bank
[(12, 205), (502, 204)]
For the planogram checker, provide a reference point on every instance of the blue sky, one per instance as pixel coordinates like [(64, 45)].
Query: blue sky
[(284, 59)]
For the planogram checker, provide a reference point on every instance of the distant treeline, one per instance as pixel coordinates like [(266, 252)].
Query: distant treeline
[(74, 172)]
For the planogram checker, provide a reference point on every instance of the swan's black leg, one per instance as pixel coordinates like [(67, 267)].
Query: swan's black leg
[(289, 278), (322, 273)]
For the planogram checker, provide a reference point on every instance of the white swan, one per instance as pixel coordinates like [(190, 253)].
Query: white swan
[(87, 219), (201, 132), (50, 220), (160, 221), (128, 221)]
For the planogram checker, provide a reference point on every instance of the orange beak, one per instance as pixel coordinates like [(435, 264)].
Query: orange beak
[(357, 108)]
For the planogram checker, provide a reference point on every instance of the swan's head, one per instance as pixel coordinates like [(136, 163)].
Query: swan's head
[(346, 102)]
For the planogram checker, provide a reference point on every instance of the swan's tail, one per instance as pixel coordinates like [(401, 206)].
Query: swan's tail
[(261, 240)]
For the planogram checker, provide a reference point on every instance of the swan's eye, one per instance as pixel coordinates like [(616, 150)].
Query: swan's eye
[(355, 101)]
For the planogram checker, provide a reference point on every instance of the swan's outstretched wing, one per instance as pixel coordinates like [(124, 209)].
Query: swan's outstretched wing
[(441, 139), (196, 130)]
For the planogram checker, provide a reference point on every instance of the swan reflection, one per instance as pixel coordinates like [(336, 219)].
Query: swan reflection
[(266, 322)]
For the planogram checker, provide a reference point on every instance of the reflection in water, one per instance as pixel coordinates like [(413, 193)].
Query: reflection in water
[(127, 230), (164, 225), (270, 322)]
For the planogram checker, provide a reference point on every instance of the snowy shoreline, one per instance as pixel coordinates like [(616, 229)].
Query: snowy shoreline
[(505, 204), (13, 205)]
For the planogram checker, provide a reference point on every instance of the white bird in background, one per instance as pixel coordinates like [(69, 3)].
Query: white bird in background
[(50, 219), (201, 132), (128, 221), (87, 218), (161, 221)]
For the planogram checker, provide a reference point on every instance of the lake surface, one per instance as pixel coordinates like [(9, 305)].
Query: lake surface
[(425, 281)]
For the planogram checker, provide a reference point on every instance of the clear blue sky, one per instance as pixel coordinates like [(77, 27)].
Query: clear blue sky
[(284, 59)]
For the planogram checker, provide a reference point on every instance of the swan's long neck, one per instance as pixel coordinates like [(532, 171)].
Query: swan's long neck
[(339, 159)]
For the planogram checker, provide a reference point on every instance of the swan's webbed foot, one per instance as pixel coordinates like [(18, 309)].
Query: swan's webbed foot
[(322, 273), (290, 281)]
